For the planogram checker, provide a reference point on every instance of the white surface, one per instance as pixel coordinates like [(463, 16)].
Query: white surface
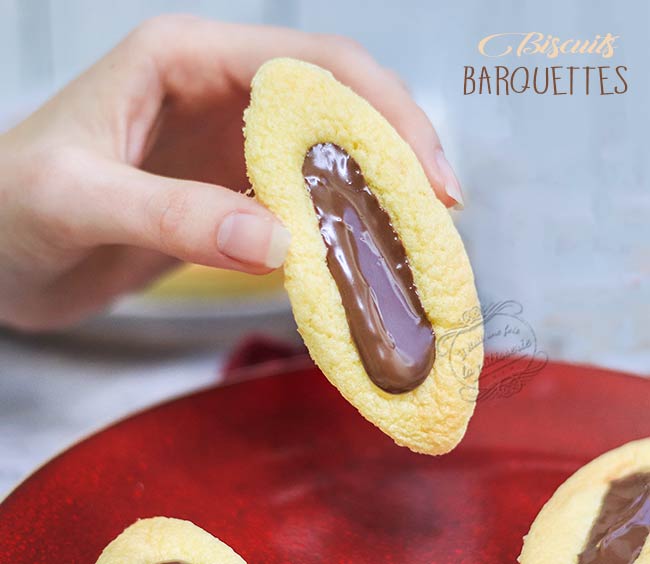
[(53, 394)]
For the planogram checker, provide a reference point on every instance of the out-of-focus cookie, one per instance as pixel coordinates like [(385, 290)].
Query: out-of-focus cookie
[(379, 281), (163, 540), (600, 515)]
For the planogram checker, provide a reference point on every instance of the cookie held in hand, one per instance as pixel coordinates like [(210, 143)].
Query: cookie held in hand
[(600, 515), (378, 278), (163, 540)]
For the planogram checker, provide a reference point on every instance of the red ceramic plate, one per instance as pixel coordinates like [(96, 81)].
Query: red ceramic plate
[(285, 471)]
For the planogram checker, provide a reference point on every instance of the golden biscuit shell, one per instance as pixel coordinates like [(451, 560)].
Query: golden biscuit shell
[(562, 527), (295, 105), (160, 540)]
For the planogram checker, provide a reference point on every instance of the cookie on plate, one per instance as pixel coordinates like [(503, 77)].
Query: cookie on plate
[(378, 278), (163, 540), (600, 515)]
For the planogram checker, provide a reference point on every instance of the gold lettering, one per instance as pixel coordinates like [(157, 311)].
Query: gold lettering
[(606, 47), (482, 44), (534, 38), (536, 43), (564, 47), (593, 45)]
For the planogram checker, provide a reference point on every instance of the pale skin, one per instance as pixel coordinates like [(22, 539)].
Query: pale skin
[(139, 164)]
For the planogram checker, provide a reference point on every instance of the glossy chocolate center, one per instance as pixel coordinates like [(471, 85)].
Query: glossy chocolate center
[(369, 265), (621, 528)]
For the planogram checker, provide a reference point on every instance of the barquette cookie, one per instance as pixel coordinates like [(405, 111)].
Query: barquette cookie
[(378, 278), (163, 540), (600, 515)]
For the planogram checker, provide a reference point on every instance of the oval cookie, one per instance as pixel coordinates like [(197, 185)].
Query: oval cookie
[(600, 515), (379, 281), (163, 540)]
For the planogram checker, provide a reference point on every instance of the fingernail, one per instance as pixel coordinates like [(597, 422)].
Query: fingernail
[(451, 184), (278, 245), (253, 239)]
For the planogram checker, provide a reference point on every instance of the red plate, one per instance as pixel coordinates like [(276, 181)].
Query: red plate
[(284, 470)]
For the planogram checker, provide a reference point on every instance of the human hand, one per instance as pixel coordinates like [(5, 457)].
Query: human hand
[(139, 163)]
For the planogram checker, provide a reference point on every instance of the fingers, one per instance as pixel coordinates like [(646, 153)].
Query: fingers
[(194, 64), (198, 223), (106, 203), (208, 58), (91, 285)]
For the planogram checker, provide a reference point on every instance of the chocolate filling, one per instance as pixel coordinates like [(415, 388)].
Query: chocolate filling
[(368, 262), (621, 528)]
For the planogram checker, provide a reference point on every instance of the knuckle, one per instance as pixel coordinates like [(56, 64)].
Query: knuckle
[(345, 44), (161, 27), (48, 185), (50, 166), (170, 211)]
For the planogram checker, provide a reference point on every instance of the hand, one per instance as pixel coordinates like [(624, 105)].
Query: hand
[(138, 163)]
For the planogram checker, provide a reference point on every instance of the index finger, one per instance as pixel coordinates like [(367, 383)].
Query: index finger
[(208, 57)]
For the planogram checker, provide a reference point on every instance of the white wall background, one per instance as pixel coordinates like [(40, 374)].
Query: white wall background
[(558, 191)]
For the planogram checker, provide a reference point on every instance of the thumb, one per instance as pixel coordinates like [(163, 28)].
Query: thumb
[(192, 221)]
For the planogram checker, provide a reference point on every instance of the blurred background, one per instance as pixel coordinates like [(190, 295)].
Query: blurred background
[(557, 201)]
